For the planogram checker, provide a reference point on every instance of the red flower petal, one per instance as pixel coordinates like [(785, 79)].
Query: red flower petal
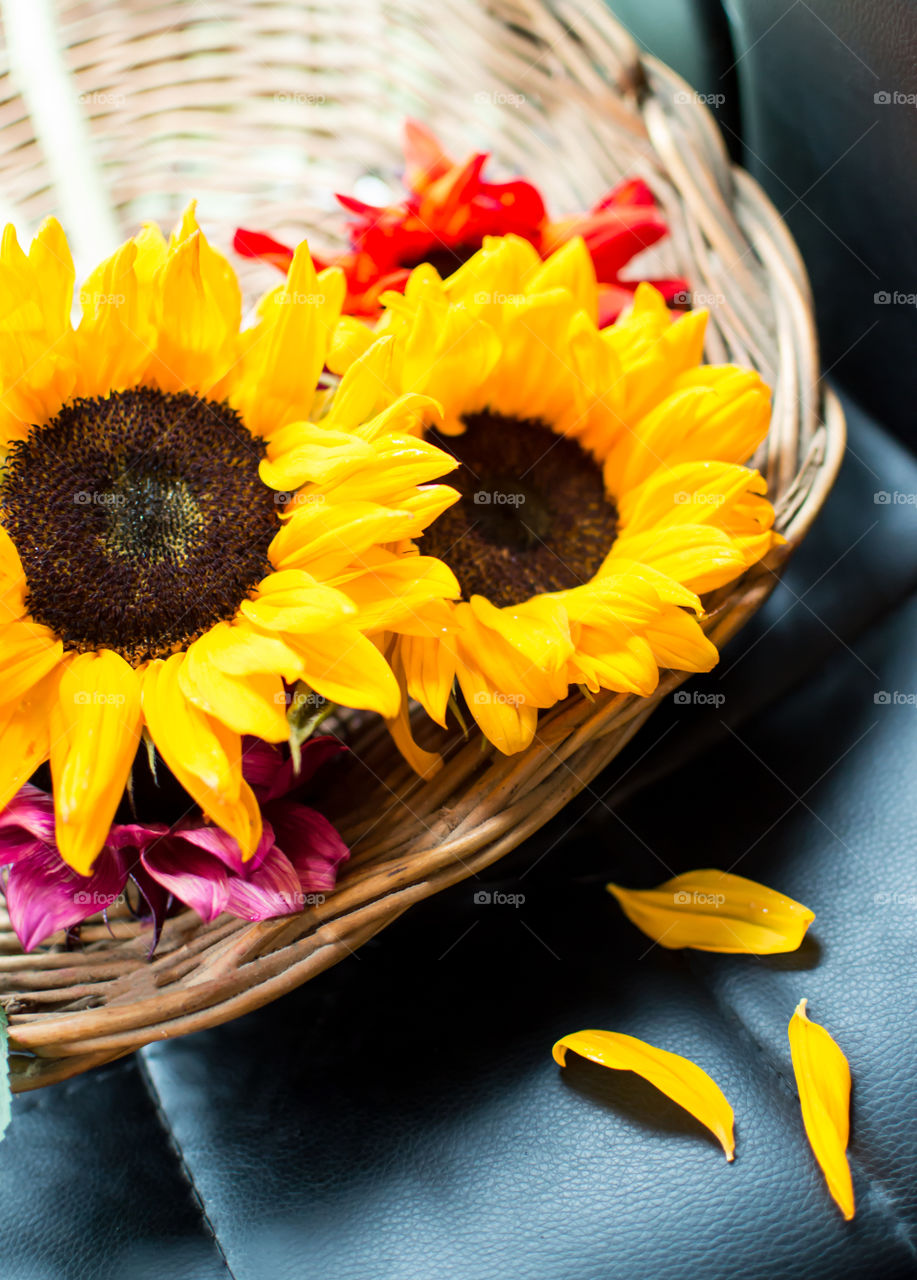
[(448, 211), (630, 191), (255, 244)]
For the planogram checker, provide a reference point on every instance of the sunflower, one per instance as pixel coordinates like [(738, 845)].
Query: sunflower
[(155, 583), (449, 210), (602, 482)]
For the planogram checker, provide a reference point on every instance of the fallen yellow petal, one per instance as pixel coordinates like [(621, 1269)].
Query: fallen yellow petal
[(716, 911), (678, 1078), (823, 1081)]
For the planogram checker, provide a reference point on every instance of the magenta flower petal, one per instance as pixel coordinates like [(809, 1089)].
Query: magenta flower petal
[(30, 810), (44, 894), (272, 889), (212, 840), (197, 867), (196, 878), (271, 776), (310, 842), (261, 763), (136, 835)]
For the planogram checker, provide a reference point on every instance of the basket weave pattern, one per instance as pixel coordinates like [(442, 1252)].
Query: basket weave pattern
[(263, 114)]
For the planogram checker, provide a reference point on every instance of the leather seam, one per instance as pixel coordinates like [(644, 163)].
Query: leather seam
[(156, 1102)]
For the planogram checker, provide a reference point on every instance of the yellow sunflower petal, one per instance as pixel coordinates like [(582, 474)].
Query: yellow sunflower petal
[(533, 377), (117, 331), (408, 415), (678, 1078), (700, 557), (344, 666), (426, 503), (401, 462), (679, 643), (28, 651), (252, 704), (823, 1080), (288, 347), (651, 442), (52, 268), (217, 275), (241, 650), (429, 666), (12, 581), (445, 352), (629, 590), (613, 657), (716, 911), (204, 755), (663, 351), (503, 266), (694, 492), (350, 339), (291, 600), (95, 731), (503, 665), (366, 388), (504, 718), (539, 629), (197, 323), (396, 587), (569, 267), (737, 417), (305, 452), (725, 422), (426, 764), (324, 537), (25, 735), (38, 365)]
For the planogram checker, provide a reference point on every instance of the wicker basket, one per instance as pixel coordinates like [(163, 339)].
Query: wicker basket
[(120, 110)]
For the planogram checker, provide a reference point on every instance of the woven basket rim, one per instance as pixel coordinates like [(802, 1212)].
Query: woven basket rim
[(69, 1011)]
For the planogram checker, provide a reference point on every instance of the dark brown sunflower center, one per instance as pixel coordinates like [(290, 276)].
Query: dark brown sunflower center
[(533, 515), (140, 520)]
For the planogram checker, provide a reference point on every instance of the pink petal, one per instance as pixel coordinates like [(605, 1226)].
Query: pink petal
[(16, 844), (270, 776), (261, 763), (310, 842), (43, 894), (272, 889), (211, 840), (30, 810), (193, 876), (136, 835), (154, 903)]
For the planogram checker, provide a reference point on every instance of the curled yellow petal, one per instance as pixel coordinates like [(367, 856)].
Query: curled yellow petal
[(716, 911), (823, 1081), (678, 1078)]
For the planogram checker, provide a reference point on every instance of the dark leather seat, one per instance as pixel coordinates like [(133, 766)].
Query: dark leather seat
[(400, 1118)]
